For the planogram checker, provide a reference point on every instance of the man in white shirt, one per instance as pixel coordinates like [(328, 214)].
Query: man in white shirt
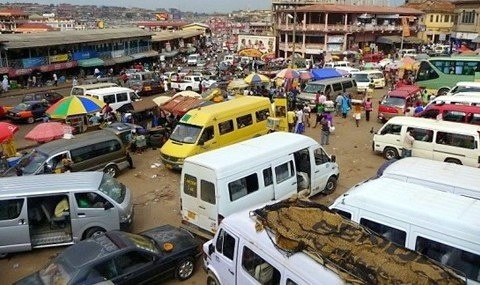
[(408, 144), (55, 79), (299, 124)]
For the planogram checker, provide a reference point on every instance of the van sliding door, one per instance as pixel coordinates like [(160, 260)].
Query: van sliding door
[(285, 178), (14, 230)]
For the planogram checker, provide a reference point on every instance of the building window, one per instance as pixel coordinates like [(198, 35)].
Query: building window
[(468, 17), (437, 18), (431, 18)]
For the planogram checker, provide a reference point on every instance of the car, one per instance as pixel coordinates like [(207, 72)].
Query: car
[(3, 111), (123, 258), (49, 96), (28, 111)]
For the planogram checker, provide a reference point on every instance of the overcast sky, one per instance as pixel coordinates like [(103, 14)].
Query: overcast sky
[(184, 5)]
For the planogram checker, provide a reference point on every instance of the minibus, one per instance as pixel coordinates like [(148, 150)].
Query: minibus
[(452, 113), (83, 89), (116, 97)]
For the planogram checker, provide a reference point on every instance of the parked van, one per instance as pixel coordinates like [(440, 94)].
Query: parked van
[(54, 210), (221, 182), (116, 97), (83, 89), (368, 79), (399, 102), (192, 59), (437, 140), (98, 150), (440, 225), (331, 87), (452, 113), (465, 86), (214, 126), (447, 177), (466, 98), (335, 64)]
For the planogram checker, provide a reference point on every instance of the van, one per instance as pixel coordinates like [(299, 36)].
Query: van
[(116, 97), (192, 59), (99, 150), (31, 207), (466, 98), (436, 140), (83, 89), (440, 225), (447, 177), (331, 87), (335, 64), (399, 102), (465, 86), (368, 79), (258, 170), (214, 126), (452, 113)]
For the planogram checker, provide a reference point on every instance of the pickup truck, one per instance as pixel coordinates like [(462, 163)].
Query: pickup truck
[(145, 83), (187, 82)]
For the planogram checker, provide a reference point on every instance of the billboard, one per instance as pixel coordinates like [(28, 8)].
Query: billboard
[(265, 44), (161, 16)]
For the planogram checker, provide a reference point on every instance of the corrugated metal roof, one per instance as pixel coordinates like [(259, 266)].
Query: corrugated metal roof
[(432, 6), (166, 35), (16, 41), (360, 9)]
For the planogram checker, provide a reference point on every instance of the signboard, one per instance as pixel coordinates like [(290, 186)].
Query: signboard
[(34, 61), (265, 44), (118, 53), (405, 27), (84, 54), (161, 16), (58, 58)]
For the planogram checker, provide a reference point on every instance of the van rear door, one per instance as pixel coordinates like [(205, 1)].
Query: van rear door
[(284, 177), (14, 229)]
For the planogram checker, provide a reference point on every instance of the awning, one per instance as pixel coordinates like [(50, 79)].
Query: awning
[(476, 40), (19, 72), (391, 40), (90, 62), (138, 106), (169, 54), (395, 16), (58, 66), (117, 60), (150, 53)]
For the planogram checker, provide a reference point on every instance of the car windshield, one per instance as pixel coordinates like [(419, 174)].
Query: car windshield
[(22, 107), (376, 75), (54, 273), (361, 77), (31, 162), (143, 242), (314, 88), (459, 89), (134, 96), (185, 133), (394, 101), (112, 188)]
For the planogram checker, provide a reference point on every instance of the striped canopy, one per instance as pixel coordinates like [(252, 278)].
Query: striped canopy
[(74, 105), (255, 78)]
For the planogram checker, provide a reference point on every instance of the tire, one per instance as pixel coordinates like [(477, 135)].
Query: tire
[(390, 153), (212, 279), (185, 269), (112, 170), (453, 160), (31, 120), (156, 140), (442, 91), (91, 232), (331, 185)]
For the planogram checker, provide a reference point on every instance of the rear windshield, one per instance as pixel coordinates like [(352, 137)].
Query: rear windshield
[(314, 88), (376, 75), (112, 188)]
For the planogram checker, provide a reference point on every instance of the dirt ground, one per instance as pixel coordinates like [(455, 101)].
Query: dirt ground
[(156, 194)]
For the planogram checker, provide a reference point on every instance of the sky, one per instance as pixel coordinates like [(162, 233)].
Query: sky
[(184, 5)]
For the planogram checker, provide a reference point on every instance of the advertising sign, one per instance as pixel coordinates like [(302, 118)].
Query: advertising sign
[(161, 16), (264, 44), (34, 61), (84, 54), (58, 58)]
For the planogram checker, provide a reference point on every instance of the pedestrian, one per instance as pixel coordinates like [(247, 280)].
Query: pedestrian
[(345, 105), (326, 125), (357, 114), (96, 72), (55, 79), (291, 120), (408, 144), (338, 105), (294, 93), (306, 114), (299, 127), (34, 81), (107, 112), (5, 83), (74, 81), (368, 105), (418, 107)]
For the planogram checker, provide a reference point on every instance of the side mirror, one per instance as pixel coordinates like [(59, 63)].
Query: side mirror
[(211, 249), (107, 205), (333, 158)]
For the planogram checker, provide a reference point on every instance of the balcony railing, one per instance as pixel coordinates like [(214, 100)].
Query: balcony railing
[(341, 28)]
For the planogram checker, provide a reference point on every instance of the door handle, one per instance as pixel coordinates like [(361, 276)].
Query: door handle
[(202, 207), (81, 215), (21, 222), (231, 272), (318, 171)]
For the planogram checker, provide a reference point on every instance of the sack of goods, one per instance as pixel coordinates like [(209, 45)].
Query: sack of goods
[(329, 106)]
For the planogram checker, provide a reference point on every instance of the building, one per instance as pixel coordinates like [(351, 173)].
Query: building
[(437, 22), (204, 28), (29, 27), (336, 28), (162, 25), (260, 28), (57, 24), (466, 29), (9, 18)]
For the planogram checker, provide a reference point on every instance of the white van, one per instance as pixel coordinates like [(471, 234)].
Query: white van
[(440, 225), (368, 78), (60, 209), (116, 97), (193, 59), (83, 89), (220, 182), (335, 64), (465, 86), (464, 98), (437, 140), (442, 176)]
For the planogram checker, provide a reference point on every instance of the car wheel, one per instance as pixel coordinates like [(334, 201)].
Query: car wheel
[(111, 170), (31, 120), (331, 185), (189, 88), (390, 153), (442, 91), (212, 279), (453, 160), (3, 255), (93, 232), (184, 269)]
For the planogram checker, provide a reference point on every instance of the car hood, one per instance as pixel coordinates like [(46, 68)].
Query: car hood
[(32, 279)]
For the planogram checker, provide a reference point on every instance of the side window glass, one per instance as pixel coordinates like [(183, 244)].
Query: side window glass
[(225, 127), (107, 270), (109, 99), (347, 84), (243, 186), (207, 134), (475, 119), (456, 140), (337, 86), (83, 153), (267, 176), (207, 191), (430, 114), (321, 156), (284, 171), (454, 116), (190, 185), (391, 129), (344, 214), (259, 269), (90, 200), (262, 115), (225, 244), (421, 134), (10, 209), (290, 282), (395, 235), (244, 121), (122, 97), (130, 262)]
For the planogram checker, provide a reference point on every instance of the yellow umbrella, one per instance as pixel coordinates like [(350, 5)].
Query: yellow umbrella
[(255, 78)]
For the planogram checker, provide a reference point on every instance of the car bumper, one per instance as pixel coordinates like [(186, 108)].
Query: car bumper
[(174, 165), (127, 225)]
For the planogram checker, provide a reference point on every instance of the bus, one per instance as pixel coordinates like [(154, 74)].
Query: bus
[(440, 74)]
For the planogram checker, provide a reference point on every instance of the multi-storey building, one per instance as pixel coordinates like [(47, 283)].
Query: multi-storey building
[(10, 18), (467, 25)]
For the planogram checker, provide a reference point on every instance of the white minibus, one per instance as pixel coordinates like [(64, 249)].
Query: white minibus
[(116, 97), (434, 139), (83, 89)]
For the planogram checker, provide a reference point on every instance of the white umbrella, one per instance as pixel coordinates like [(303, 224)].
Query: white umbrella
[(188, 93)]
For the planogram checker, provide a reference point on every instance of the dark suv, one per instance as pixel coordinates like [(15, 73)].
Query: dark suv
[(49, 96)]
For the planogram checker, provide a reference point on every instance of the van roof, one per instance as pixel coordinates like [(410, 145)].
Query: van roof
[(250, 152), (52, 183), (202, 115), (454, 107), (96, 85), (467, 97), (242, 225), (367, 71), (108, 90), (77, 141), (434, 124), (438, 172), (467, 83), (419, 205), (404, 91)]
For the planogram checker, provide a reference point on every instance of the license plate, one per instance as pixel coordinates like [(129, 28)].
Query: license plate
[(191, 215), (148, 88)]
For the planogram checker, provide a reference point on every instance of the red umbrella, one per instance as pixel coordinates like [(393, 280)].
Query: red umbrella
[(6, 131), (305, 75), (50, 131)]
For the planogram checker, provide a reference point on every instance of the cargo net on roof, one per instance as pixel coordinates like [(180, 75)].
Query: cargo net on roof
[(350, 250)]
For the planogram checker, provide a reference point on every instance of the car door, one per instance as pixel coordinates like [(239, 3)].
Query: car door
[(38, 110), (136, 267), (322, 168), (423, 144), (285, 178), (224, 257), (14, 229)]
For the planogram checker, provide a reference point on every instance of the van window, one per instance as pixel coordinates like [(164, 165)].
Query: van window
[(464, 261), (225, 127), (244, 121), (344, 214), (258, 268), (109, 99), (225, 244), (90, 200), (262, 115), (454, 116), (284, 171), (10, 209), (190, 185), (347, 84), (94, 150), (121, 97), (391, 129), (321, 156), (290, 282), (207, 191), (456, 140), (474, 119), (243, 186), (207, 134), (395, 235), (421, 134), (267, 176), (430, 114), (337, 86)]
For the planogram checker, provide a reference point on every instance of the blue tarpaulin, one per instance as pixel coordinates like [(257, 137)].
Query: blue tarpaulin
[(324, 73)]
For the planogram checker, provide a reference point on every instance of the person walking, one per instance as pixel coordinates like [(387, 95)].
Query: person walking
[(306, 114), (299, 127), (357, 114), (55, 79), (368, 105), (338, 105), (418, 107), (326, 125), (345, 105), (408, 144)]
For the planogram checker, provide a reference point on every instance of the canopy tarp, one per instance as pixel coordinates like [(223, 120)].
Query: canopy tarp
[(91, 62), (150, 53), (324, 73), (116, 60), (391, 40)]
